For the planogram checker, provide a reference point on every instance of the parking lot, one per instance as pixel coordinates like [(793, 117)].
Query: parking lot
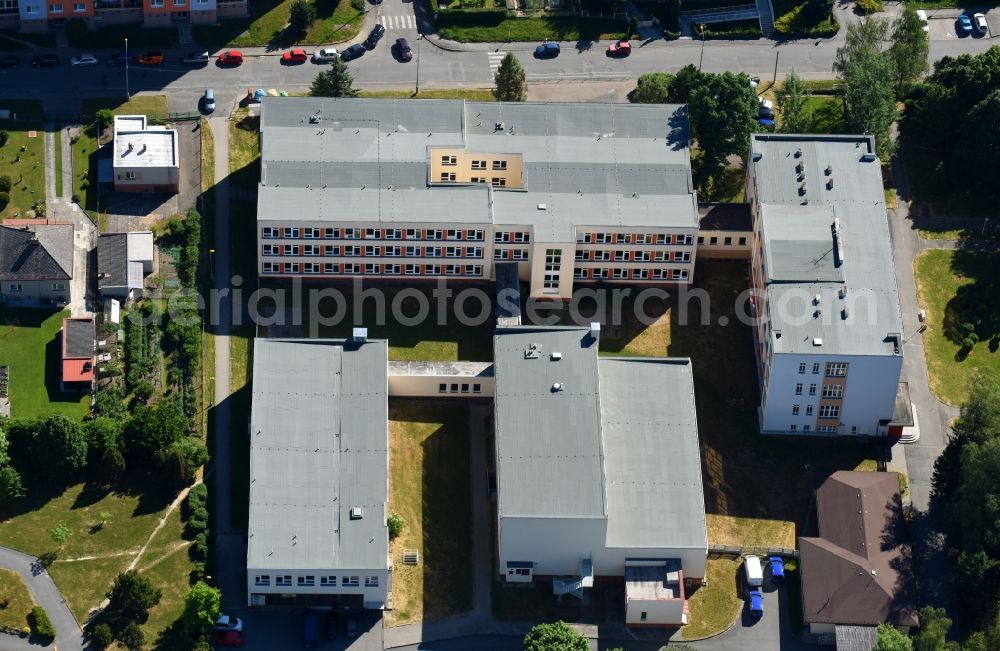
[(270, 629), (943, 24)]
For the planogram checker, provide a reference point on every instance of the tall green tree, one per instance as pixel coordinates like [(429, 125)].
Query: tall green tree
[(683, 83), (890, 639), (131, 596), (869, 77), (132, 637), (51, 449), (510, 84), (301, 17), (723, 115), (934, 627), (202, 606), (335, 81), (791, 99), (152, 430), (554, 637), (10, 478), (909, 48), (652, 88)]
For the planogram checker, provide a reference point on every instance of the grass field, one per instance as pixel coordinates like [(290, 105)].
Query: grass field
[(244, 150), (336, 21), (825, 114), (30, 346), (472, 26), (18, 600), (470, 94), (940, 274), (714, 605), (153, 107), (430, 490), (26, 169), (167, 564), (84, 153)]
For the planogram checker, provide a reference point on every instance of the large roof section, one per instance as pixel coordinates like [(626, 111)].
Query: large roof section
[(549, 456), (859, 569), (824, 226), (368, 159), (36, 250), (138, 144), (120, 257), (652, 461), (78, 338), (318, 448)]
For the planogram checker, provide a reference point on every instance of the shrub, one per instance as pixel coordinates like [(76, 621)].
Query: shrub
[(395, 524), (84, 184), (358, 5), (869, 6), (101, 637), (5, 183), (144, 391), (4, 200), (105, 117), (4, 137), (41, 625)]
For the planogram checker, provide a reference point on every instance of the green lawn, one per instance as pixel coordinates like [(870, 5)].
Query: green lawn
[(244, 150), (84, 153), (430, 490), (153, 107), (26, 169), (168, 565), (336, 21), (30, 346), (715, 605), (941, 275), (470, 94), (825, 114), (18, 600), (478, 26)]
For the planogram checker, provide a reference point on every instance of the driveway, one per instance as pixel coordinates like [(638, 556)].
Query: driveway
[(43, 590), (267, 630)]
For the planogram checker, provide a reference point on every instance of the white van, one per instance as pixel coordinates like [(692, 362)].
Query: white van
[(754, 572)]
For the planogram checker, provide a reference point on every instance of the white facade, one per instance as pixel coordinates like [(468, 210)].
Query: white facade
[(145, 156), (363, 586)]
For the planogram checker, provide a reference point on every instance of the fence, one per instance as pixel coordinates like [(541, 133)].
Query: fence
[(747, 550)]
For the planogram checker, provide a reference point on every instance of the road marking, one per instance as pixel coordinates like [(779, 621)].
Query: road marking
[(495, 59), (407, 21)]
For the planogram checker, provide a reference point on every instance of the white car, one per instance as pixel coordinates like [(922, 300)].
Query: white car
[(83, 60), (766, 103), (325, 55), (922, 15), (979, 22), (229, 623)]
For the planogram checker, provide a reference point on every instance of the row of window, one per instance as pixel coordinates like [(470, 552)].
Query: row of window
[(495, 181), (829, 390), (604, 255), (372, 251), (315, 233), (825, 411), (618, 273), (78, 7), (498, 165), (309, 581), (830, 429), (726, 241), (372, 269), (633, 238), (15, 288), (833, 369), (459, 388), (510, 254)]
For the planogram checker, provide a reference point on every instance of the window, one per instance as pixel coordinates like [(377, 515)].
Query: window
[(453, 270), (329, 249), (743, 241), (521, 237), (413, 234), (453, 251), (854, 429), (289, 249), (412, 270), (373, 233), (812, 389), (500, 254), (520, 254), (330, 268), (829, 411), (795, 410), (477, 388), (701, 240), (433, 251), (584, 238), (619, 274), (350, 582), (499, 164), (393, 233), (826, 428), (392, 251), (371, 581), (373, 251), (57, 9), (601, 273), (475, 236), (310, 267), (833, 390), (130, 176), (500, 236), (156, 3), (351, 233), (271, 249), (603, 238), (682, 256), (580, 272), (310, 249), (498, 182), (792, 428), (454, 388), (642, 616), (816, 368), (285, 580), (310, 233), (809, 410), (474, 252), (798, 389), (834, 369), (582, 254), (713, 241), (307, 581), (352, 268), (436, 234), (447, 176), (433, 270), (58, 286), (391, 269), (372, 269), (478, 164), (449, 160), (805, 428), (643, 238), (802, 367), (680, 274), (640, 274), (621, 256), (79, 6), (728, 241), (413, 251), (290, 232), (328, 581), (269, 233), (465, 388), (684, 239), (262, 579), (270, 267)]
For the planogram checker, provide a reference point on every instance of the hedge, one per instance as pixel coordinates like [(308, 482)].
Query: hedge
[(734, 30), (41, 625)]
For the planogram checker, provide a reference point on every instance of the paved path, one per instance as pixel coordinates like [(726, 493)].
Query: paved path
[(69, 637)]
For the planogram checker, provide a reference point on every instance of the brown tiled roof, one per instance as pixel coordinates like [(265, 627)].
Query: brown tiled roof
[(859, 569)]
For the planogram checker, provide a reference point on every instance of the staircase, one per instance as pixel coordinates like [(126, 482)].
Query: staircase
[(575, 586), (765, 14)]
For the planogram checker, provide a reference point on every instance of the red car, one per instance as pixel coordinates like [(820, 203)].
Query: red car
[(294, 56), (620, 49), (231, 58), (227, 638)]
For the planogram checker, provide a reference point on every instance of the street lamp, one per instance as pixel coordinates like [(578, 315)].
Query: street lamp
[(417, 91), (127, 95), (702, 56), (920, 330)]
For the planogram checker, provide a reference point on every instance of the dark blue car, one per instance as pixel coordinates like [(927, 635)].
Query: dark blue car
[(547, 51), (964, 24), (777, 570), (310, 629), (756, 603)]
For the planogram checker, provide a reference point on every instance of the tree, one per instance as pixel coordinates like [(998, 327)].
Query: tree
[(132, 637), (934, 627), (131, 596), (336, 81), (723, 115), (979, 142), (869, 78), (53, 449), (909, 48), (101, 637), (111, 403), (791, 99), (301, 17), (890, 639), (10, 478), (152, 430), (60, 533), (554, 637), (202, 606), (652, 88), (509, 80), (683, 83), (395, 524), (105, 118), (181, 461)]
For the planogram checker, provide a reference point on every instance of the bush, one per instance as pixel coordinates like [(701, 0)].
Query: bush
[(395, 524), (144, 391), (101, 637), (4, 137), (84, 184), (803, 22), (105, 118), (41, 625), (358, 5), (869, 6), (5, 183), (4, 200), (734, 30)]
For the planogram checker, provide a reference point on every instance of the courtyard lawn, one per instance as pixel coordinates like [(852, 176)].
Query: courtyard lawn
[(26, 169), (940, 275), (825, 114), (30, 346), (153, 107), (168, 565), (15, 599), (714, 606), (336, 21), (470, 94), (244, 150), (430, 490), (496, 26), (83, 148)]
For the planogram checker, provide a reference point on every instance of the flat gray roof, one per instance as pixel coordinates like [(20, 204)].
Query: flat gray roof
[(456, 369), (318, 448), (799, 206), (368, 160)]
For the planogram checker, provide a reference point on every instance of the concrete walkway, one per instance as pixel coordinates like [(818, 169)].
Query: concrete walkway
[(69, 637)]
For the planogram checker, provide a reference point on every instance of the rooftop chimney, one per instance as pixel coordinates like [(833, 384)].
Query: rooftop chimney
[(359, 335), (595, 332)]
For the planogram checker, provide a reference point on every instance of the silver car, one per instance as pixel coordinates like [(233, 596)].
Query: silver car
[(325, 55), (83, 60)]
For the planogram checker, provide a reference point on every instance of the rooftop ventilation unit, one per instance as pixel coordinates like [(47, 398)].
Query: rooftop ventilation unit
[(844, 314), (356, 513), (557, 387), (798, 152), (803, 190), (817, 341), (843, 291), (868, 157), (532, 351), (817, 299), (359, 335), (829, 170), (556, 356), (838, 244), (829, 183), (800, 167), (595, 331), (541, 206), (818, 313), (314, 119), (498, 126)]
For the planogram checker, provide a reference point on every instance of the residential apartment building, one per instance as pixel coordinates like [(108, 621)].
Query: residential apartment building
[(425, 189), (598, 470), (828, 334), (36, 262), (42, 15), (319, 474), (146, 158)]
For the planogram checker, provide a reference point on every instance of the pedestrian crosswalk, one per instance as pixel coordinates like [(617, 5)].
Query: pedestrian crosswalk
[(407, 21), (495, 59)]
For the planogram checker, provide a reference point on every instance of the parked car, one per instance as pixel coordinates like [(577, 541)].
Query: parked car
[(197, 58), (777, 570), (405, 53), (547, 51), (754, 573), (753, 81), (208, 104), (765, 103), (979, 20), (922, 15), (231, 58), (351, 626), (964, 24), (227, 638), (294, 56), (45, 61), (353, 52), (325, 55), (83, 60), (310, 629), (756, 603), (9, 61), (116, 60), (620, 49), (764, 113), (227, 622), (150, 58), (375, 36), (766, 122)]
